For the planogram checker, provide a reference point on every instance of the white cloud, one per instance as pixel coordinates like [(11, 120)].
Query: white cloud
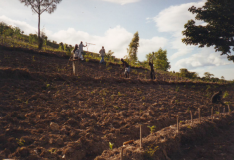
[(122, 2), (172, 20), (206, 57), (150, 45), (116, 39), (22, 25)]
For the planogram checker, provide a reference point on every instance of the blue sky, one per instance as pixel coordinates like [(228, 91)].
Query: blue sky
[(112, 23)]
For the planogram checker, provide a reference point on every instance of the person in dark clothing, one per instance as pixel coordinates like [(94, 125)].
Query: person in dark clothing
[(152, 75), (216, 98), (126, 67), (75, 52)]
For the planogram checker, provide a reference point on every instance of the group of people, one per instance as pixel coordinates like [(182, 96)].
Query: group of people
[(78, 51), (78, 54)]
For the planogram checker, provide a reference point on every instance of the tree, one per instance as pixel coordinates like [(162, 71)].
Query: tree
[(208, 75), (109, 55), (38, 7), (61, 46), (219, 30), (185, 73), (133, 48), (160, 60)]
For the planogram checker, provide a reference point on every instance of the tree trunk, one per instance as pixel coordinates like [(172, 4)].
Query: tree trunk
[(39, 21), (39, 26)]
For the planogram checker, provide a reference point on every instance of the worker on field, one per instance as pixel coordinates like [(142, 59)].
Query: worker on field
[(81, 52), (102, 53), (126, 67), (152, 74), (75, 52)]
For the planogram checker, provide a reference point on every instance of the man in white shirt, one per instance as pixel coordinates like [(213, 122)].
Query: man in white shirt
[(102, 52), (81, 50)]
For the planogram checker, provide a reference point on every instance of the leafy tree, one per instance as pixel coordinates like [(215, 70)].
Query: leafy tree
[(3, 28), (208, 75), (185, 73), (17, 32), (32, 38), (160, 60), (65, 47), (219, 30), (61, 46), (133, 48), (109, 54), (38, 7)]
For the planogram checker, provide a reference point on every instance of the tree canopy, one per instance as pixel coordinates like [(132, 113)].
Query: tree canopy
[(159, 59), (133, 48), (219, 29), (39, 7)]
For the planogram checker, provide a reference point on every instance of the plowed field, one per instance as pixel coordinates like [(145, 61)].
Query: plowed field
[(47, 113)]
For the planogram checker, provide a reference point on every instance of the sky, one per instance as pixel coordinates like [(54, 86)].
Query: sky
[(112, 24)]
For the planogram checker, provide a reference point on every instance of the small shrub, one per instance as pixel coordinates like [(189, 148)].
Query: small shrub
[(225, 95), (152, 129), (111, 145)]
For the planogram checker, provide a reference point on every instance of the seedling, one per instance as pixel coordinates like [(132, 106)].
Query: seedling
[(116, 107), (189, 127), (47, 86), (177, 88), (104, 102), (53, 150), (225, 95), (20, 141), (152, 129), (119, 94), (111, 145)]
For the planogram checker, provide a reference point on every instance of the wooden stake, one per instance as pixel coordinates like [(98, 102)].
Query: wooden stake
[(178, 127), (191, 117), (212, 113), (199, 114), (223, 110), (219, 112), (229, 110), (121, 154), (140, 136)]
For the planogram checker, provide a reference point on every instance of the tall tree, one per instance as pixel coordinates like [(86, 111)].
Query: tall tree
[(39, 7), (219, 30), (133, 47)]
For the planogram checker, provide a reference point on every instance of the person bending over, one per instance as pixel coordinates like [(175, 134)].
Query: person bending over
[(126, 67), (216, 98)]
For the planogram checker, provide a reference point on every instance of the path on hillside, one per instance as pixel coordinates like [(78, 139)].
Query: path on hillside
[(219, 147)]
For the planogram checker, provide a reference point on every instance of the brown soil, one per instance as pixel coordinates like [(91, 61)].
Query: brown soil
[(89, 110), (217, 147)]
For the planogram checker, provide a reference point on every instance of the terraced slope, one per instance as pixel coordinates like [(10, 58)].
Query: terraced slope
[(89, 110)]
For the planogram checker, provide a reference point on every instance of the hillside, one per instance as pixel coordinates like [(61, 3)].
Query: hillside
[(89, 110)]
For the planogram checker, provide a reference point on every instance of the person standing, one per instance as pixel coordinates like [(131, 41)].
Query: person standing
[(127, 68), (81, 50), (152, 75), (102, 52), (75, 52)]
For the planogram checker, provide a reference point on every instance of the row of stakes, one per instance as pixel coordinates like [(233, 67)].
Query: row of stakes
[(178, 128)]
